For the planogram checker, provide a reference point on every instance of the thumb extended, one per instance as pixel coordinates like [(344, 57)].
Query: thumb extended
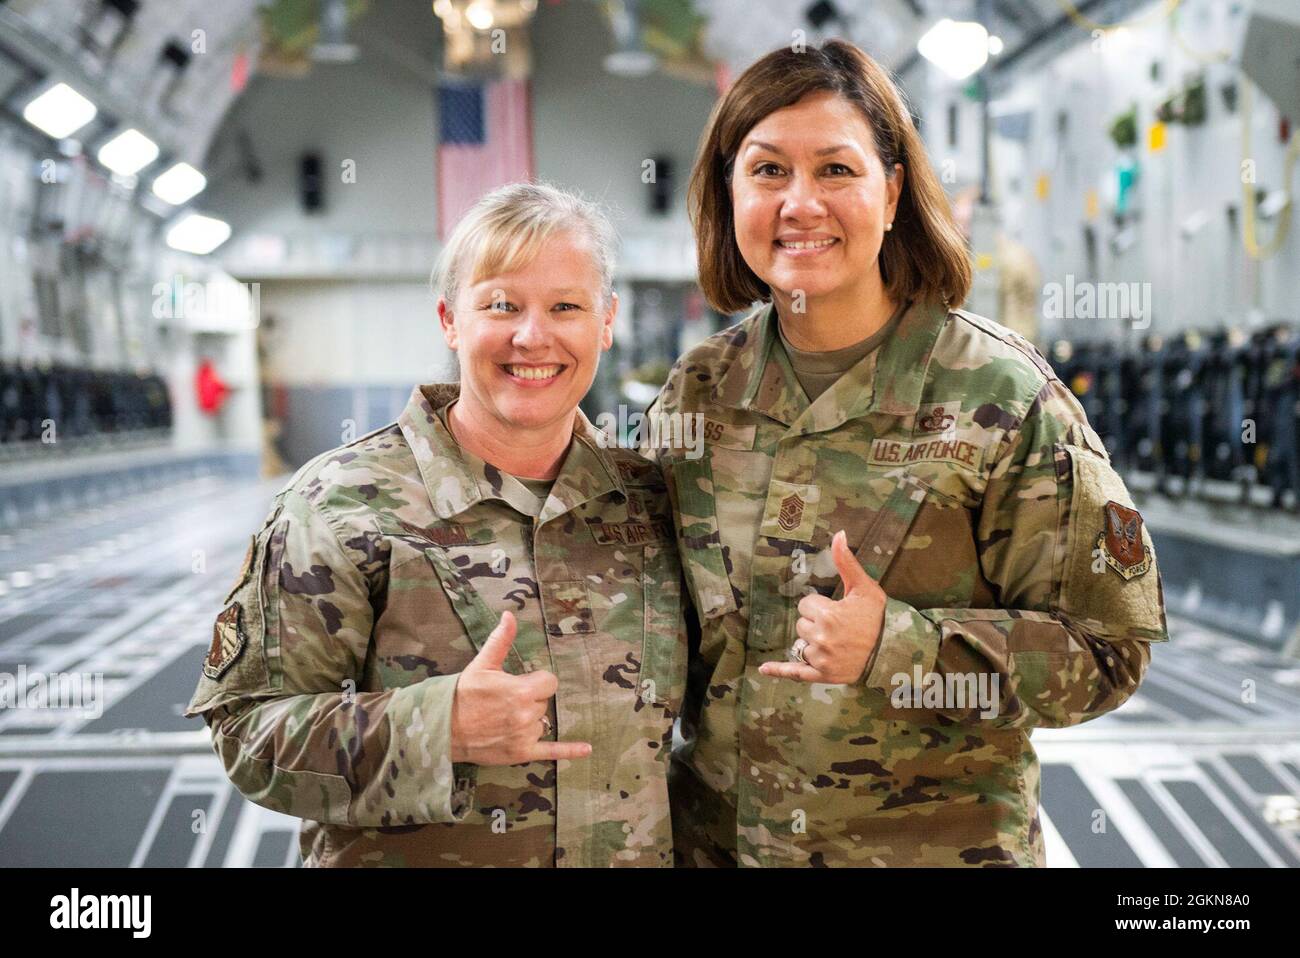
[(493, 654), (851, 572)]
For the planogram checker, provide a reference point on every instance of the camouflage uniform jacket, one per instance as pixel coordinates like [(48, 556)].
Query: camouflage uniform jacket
[(972, 489), (379, 572)]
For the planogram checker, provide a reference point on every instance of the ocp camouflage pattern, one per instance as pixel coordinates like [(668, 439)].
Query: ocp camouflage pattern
[(379, 572), (972, 488)]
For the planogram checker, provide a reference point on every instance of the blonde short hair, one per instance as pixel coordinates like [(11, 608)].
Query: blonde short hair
[(506, 229)]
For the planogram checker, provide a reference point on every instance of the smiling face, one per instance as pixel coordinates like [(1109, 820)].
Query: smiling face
[(811, 199), (528, 340)]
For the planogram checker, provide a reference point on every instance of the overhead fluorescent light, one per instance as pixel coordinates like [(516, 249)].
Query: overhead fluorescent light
[(179, 184), (60, 111), (198, 234), (479, 15), (128, 153), (957, 47)]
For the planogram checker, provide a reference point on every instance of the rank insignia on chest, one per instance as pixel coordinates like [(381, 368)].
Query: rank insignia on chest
[(791, 513), (228, 640), (1121, 543)]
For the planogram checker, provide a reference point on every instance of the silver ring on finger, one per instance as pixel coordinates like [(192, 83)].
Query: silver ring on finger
[(795, 654), (546, 726)]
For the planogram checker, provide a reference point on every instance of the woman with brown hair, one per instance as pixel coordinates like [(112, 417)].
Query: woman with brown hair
[(904, 544)]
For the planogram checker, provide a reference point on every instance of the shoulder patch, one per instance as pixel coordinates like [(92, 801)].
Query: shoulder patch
[(228, 641), (1120, 541)]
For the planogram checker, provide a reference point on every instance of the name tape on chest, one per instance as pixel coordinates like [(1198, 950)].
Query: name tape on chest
[(889, 452), (729, 435), (633, 533), (447, 534)]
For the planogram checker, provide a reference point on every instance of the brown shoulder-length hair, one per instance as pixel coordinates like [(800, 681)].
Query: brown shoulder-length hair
[(923, 257)]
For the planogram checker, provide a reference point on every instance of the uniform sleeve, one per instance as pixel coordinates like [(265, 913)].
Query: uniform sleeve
[(279, 691), (1072, 564)]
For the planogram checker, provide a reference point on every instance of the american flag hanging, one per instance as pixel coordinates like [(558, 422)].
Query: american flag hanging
[(485, 141)]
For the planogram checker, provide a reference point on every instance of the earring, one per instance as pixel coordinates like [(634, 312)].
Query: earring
[(888, 227)]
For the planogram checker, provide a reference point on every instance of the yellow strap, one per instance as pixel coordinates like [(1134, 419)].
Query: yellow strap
[(1073, 13), (1248, 236)]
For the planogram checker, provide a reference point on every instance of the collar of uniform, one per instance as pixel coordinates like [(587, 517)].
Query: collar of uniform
[(904, 361), (888, 380), (754, 381), (587, 473), (455, 479), (447, 478)]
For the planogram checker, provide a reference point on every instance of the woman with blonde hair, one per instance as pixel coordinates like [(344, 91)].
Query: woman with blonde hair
[(905, 546), (458, 640)]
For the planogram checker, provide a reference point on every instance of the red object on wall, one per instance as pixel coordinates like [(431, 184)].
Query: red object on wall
[(211, 388), (239, 72), (722, 77)]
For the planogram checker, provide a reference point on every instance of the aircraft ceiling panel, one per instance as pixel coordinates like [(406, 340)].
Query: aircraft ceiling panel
[(186, 112)]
